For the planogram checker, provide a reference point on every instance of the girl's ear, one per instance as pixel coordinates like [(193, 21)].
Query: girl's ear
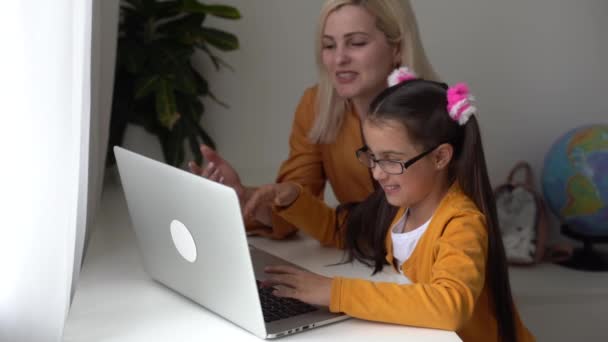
[(443, 156)]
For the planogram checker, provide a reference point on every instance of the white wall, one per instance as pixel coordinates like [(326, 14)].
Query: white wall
[(272, 68), (537, 67)]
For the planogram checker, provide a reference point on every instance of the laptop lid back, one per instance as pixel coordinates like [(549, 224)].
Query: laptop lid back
[(192, 238)]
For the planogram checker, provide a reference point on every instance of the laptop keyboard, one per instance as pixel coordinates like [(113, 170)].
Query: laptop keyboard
[(276, 308)]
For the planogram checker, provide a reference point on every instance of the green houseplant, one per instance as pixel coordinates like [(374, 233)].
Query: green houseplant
[(156, 85)]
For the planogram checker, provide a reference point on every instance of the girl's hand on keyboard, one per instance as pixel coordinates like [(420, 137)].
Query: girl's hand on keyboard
[(302, 285)]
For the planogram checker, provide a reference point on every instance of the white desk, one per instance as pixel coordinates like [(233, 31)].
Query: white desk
[(117, 301)]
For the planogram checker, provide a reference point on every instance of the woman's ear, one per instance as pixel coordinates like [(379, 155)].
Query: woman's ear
[(443, 156), (397, 55)]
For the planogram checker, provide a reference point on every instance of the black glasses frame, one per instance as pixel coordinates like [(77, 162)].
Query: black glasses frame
[(404, 164)]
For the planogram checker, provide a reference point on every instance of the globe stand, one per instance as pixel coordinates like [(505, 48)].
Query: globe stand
[(586, 258)]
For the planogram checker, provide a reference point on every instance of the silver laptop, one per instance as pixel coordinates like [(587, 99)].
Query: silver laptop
[(192, 239)]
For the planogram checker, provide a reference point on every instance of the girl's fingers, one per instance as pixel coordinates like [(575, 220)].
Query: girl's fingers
[(282, 269), (285, 292), (282, 279)]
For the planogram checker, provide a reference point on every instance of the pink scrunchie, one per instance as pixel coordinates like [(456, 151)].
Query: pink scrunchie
[(399, 75), (460, 103)]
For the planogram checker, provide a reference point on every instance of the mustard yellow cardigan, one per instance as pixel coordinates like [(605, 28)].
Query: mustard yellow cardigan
[(447, 270)]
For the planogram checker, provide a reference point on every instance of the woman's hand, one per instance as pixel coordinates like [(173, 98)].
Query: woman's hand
[(295, 283), (219, 170), (263, 198)]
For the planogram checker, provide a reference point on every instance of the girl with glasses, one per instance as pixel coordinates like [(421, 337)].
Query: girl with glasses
[(431, 217)]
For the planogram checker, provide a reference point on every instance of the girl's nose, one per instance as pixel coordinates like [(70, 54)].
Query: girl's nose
[(378, 173)]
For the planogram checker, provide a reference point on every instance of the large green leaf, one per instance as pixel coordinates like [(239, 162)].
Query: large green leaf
[(166, 108), (221, 11), (222, 40)]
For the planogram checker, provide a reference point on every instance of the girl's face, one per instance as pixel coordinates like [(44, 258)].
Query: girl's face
[(355, 53), (388, 145)]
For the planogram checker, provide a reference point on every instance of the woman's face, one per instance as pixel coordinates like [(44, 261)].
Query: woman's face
[(356, 54)]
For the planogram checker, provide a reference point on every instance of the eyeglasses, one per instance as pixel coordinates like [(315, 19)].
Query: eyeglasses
[(392, 167)]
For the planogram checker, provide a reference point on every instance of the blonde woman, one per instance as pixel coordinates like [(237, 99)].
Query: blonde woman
[(358, 44)]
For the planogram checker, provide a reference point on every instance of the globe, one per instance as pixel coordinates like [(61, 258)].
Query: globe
[(575, 180)]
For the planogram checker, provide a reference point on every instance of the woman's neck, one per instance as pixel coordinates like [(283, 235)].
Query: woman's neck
[(361, 106), (362, 102)]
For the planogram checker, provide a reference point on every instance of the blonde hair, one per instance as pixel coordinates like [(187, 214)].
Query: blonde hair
[(396, 19)]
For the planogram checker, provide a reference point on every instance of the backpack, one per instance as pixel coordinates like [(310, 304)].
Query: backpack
[(522, 217)]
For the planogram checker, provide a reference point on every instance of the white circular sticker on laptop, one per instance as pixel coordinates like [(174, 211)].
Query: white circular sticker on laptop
[(183, 241)]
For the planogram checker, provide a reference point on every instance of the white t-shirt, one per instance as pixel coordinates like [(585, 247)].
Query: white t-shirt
[(405, 243)]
